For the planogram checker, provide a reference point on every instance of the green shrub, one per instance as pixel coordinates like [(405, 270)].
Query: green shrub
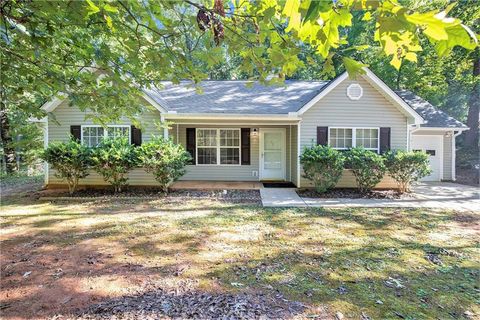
[(323, 166), (165, 159), (70, 160), (407, 167), (113, 159), (368, 167)]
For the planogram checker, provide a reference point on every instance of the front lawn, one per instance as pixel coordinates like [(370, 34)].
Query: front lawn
[(64, 258)]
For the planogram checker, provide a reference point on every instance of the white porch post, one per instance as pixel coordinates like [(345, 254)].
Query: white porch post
[(299, 150), (165, 129)]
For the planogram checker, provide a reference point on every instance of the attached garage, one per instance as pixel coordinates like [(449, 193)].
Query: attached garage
[(436, 136), (433, 146)]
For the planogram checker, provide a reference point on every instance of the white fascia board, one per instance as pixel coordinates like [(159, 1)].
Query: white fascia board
[(441, 129), (217, 116), (41, 120), (54, 103), (374, 80), (154, 103), (323, 93)]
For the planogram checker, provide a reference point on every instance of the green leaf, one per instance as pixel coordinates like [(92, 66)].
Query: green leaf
[(110, 8), (92, 8), (459, 35), (367, 16), (354, 68)]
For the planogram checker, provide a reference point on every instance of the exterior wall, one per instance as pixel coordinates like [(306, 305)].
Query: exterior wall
[(447, 158), (294, 154), (231, 173), (372, 110), (64, 116), (447, 150)]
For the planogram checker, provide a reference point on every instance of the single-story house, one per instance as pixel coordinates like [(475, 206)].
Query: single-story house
[(236, 132)]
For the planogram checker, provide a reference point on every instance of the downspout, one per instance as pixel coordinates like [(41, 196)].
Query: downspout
[(415, 127), (454, 154)]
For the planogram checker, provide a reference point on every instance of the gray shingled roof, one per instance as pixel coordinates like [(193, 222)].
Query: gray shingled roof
[(235, 97), (433, 117)]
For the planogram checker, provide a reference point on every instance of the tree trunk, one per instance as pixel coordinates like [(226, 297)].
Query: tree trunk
[(471, 136), (9, 157)]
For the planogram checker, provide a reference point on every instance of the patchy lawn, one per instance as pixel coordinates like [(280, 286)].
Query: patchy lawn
[(205, 259)]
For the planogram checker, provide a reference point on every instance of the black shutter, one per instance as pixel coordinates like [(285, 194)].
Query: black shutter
[(245, 146), (322, 136), (191, 143), (136, 136), (384, 140), (76, 132)]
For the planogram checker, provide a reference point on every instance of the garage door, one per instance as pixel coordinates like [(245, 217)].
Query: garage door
[(433, 146)]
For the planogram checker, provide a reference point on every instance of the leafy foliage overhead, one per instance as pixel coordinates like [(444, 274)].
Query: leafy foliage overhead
[(48, 45)]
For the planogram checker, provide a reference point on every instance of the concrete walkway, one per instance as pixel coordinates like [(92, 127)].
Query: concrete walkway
[(441, 195), (281, 197)]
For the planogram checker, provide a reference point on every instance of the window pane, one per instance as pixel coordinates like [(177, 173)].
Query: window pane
[(92, 136), (117, 132), (367, 138), (207, 137), (348, 133), (207, 155), (229, 156), (229, 138)]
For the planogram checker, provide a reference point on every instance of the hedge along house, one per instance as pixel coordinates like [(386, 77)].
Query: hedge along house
[(237, 133)]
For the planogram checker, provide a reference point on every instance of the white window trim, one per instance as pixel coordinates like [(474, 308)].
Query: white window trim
[(218, 147), (105, 132), (354, 137)]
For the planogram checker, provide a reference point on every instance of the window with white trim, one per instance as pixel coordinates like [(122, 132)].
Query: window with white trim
[(218, 146), (346, 138), (92, 135)]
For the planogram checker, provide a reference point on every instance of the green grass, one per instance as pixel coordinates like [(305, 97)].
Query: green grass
[(356, 261)]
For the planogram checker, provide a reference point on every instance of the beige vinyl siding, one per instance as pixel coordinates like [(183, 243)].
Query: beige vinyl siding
[(337, 110), (64, 116), (228, 172), (447, 158), (294, 154)]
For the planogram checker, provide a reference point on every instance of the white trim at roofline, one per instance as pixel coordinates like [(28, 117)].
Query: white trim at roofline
[(441, 128), (369, 75), (51, 105), (230, 116)]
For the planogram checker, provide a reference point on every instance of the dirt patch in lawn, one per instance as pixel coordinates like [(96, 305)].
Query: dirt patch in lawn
[(352, 193), (237, 196)]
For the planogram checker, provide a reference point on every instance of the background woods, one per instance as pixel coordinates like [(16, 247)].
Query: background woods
[(60, 47)]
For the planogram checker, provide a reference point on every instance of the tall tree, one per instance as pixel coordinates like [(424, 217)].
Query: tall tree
[(60, 47)]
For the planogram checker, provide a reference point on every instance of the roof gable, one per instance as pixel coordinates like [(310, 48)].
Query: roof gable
[(376, 83)]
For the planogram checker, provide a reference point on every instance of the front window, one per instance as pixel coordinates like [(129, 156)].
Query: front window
[(93, 135), (218, 146), (346, 138)]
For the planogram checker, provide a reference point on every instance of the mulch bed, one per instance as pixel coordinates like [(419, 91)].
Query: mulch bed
[(352, 193), (224, 195), (185, 301)]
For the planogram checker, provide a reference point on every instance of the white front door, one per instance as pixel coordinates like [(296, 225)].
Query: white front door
[(272, 154), (433, 146)]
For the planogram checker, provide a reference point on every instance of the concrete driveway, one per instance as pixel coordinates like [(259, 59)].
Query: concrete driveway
[(442, 195)]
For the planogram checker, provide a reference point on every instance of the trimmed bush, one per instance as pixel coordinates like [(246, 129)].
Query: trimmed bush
[(165, 159), (323, 166), (368, 167), (113, 159), (407, 167), (70, 160)]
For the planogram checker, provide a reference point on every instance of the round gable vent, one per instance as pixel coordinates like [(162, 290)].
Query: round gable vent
[(354, 91)]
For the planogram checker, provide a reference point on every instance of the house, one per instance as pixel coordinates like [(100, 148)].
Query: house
[(238, 133)]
